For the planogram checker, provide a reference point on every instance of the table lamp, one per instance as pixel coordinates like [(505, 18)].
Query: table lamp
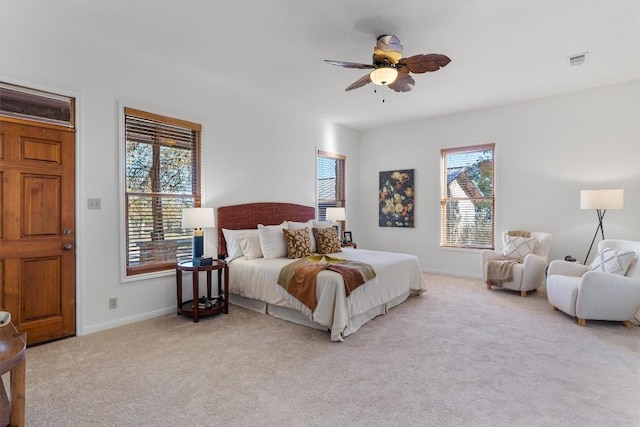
[(336, 215), (600, 200), (198, 218)]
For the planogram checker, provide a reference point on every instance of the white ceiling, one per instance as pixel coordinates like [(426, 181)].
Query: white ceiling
[(502, 51)]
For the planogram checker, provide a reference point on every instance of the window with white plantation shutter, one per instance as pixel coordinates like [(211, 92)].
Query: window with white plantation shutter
[(162, 177), (330, 183), (467, 202)]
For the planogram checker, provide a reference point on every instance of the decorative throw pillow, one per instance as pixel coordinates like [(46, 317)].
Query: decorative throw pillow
[(272, 241), (519, 247), (327, 240), (298, 243), (612, 261), (250, 245), (292, 225)]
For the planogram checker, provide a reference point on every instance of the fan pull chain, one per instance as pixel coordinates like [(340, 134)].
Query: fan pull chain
[(375, 90)]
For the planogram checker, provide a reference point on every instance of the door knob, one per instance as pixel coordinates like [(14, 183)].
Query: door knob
[(67, 246)]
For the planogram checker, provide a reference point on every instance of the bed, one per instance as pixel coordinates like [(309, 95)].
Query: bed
[(253, 280)]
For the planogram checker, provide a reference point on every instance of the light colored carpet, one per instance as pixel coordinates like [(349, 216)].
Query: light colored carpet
[(459, 355)]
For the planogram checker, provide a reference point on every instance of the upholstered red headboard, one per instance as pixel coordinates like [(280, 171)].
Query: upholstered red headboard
[(248, 216)]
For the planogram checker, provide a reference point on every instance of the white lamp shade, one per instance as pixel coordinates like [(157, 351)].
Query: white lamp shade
[(602, 199), (198, 218), (336, 214)]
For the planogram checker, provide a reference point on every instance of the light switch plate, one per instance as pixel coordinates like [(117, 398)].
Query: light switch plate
[(94, 203)]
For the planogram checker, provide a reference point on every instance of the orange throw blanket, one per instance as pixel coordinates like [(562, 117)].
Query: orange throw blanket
[(298, 279)]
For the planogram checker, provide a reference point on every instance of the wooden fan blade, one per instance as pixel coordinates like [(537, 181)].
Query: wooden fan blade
[(404, 83), (388, 47), (364, 80), (422, 63), (349, 64)]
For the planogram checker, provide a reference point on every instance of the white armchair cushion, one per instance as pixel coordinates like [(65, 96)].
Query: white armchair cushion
[(612, 261), (519, 247)]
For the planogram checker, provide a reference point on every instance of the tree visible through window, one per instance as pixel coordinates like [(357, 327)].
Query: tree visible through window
[(330, 183), (162, 177), (467, 202)]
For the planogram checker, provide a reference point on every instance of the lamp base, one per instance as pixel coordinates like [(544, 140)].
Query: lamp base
[(197, 248), (599, 228)]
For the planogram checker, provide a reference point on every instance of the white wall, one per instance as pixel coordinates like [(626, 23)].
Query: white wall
[(547, 150), (251, 152)]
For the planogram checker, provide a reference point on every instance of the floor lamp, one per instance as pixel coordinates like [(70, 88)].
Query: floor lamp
[(600, 200)]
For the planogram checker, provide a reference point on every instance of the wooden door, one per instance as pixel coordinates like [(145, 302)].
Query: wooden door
[(37, 228)]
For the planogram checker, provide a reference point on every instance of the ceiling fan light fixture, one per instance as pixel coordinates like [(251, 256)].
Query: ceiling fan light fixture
[(383, 76)]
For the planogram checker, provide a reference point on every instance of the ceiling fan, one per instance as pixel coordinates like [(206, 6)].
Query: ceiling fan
[(389, 68)]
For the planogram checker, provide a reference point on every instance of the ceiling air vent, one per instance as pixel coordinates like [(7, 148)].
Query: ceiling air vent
[(577, 59)]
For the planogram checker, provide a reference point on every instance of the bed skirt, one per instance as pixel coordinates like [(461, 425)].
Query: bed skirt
[(297, 317)]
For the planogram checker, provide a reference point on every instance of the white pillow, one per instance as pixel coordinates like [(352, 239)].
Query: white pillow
[(322, 224), (272, 240), (233, 245), (612, 261), (250, 244), (292, 225), (519, 247)]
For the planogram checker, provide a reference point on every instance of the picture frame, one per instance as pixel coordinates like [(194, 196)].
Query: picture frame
[(396, 198), (347, 237)]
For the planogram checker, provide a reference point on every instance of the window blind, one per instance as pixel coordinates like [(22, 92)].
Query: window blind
[(467, 202), (162, 178), (330, 183)]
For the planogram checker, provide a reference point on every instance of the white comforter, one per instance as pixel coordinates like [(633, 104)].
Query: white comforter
[(397, 276)]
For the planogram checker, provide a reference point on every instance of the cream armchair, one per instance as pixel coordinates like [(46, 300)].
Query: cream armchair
[(585, 294), (528, 275)]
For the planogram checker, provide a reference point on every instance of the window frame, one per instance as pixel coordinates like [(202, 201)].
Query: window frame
[(131, 272), (446, 198), (340, 190)]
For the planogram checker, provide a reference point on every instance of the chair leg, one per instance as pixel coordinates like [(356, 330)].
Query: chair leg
[(626, 323), (488, 286), (582, 322), (523, 293)]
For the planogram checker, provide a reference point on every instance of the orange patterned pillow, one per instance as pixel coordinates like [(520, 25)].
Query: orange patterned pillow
[(327, 240), (298, 243)]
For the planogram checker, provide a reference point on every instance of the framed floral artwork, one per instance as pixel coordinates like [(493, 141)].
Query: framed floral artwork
[(396, 198)]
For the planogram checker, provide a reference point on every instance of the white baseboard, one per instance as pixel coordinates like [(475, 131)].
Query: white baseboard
[(453, 273), (126, 321)]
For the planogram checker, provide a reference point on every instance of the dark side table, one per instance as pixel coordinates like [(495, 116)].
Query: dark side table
[(217, 305), (13, 353)]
